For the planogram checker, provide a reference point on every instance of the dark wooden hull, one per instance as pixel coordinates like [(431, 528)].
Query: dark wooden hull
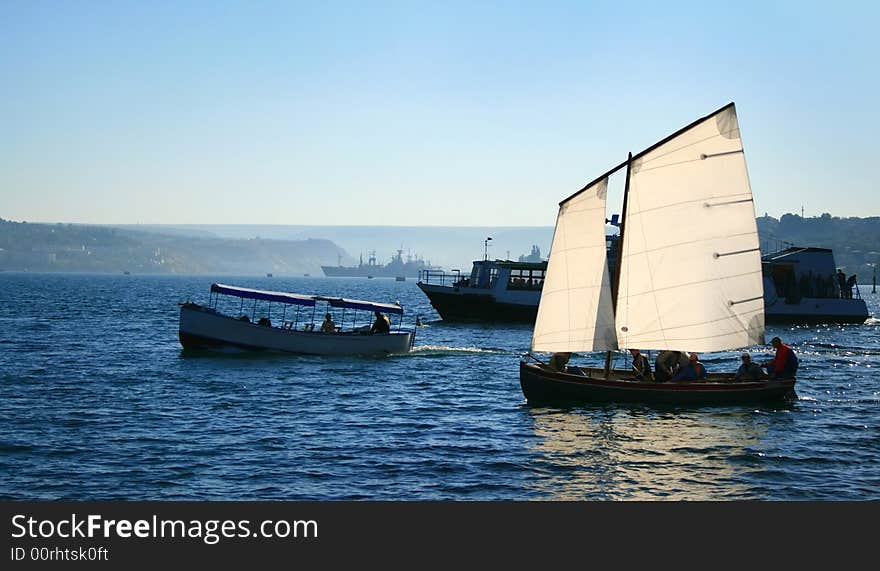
[(540, 384)]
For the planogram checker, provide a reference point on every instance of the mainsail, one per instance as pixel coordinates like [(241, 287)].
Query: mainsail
[(691, 262), (575, 313), (690, 265)]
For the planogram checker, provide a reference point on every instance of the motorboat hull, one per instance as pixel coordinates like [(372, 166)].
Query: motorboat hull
[(460, 304), (815, 310), (203, 328), (540, 384)]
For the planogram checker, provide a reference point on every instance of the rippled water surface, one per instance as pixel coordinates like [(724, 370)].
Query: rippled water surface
[(98, 401)]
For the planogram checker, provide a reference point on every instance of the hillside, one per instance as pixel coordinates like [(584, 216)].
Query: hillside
[(81, 248), (447, 246), (293, 250), (855, 241)]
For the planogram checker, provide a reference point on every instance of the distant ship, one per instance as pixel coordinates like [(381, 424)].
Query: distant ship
[(397, 267)]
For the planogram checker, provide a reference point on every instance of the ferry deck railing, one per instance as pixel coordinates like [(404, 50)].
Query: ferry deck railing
[(439, 277)]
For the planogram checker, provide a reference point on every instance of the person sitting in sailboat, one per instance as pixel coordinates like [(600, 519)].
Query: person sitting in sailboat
[(784, 364), (382, 323), (693, 371), (559, 362), (328, 326), (668, 364), (749, 370), (641, 366)]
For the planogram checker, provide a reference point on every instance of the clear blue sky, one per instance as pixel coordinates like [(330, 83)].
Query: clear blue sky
[(416, 113)]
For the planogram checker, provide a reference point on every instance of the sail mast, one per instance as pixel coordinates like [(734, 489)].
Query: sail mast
[(616, 285)]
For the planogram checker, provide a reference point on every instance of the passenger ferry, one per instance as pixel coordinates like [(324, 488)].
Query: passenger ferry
[(803, 285), (495, 290)]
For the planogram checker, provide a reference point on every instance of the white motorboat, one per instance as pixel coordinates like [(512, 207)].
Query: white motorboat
[(251, 328)]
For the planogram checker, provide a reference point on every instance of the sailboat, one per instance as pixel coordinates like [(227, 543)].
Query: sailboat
[(688, 277)]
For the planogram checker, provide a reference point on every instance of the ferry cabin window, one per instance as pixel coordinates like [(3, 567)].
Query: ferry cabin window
[(481, 278), (493, 277), (526, 279)]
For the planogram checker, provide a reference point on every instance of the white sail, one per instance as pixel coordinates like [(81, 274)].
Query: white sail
[(690, 274), (575, 312)]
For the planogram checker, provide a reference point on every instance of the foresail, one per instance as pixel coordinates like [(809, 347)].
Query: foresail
[(575, 313), (691, 265)]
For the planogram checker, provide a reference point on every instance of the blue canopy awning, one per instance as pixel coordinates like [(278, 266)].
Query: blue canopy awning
[(358, 304), (247, 293)]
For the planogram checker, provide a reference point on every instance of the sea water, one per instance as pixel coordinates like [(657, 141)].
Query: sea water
[(99, 402)]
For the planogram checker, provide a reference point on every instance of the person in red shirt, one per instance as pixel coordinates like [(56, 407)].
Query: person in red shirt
[(784, 365)]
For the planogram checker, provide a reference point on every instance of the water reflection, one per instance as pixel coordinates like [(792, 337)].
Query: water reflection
[(634, 453)]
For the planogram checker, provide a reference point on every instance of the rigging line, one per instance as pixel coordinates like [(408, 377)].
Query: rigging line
[(702, 157), (683, 202), (583, 289), (725, 334), (683, 341), (689, 242), (584, 328), (561, 225), (578, 248), (641, 170), (663, 330), (716, 255), (682, 131), (678, 285), (651, 282), (681, 148), (581, 207)]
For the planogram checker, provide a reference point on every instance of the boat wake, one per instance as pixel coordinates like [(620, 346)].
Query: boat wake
[(872, 321), (431, 350)]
